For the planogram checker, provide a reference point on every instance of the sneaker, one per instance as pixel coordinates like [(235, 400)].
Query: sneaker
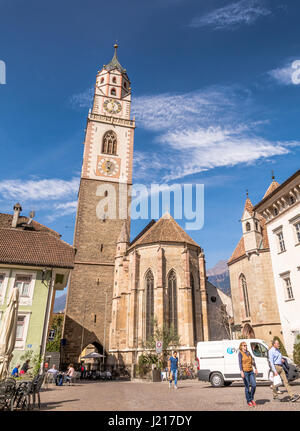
[(250, 404), (295, 398), (279, 391), (176, 387), (254, 403)]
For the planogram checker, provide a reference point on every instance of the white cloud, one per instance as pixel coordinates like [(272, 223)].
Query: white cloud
[(233, 15), (288, 74), (50, 189), (203, 149), (63, 209), (82, 100), (199, 131)]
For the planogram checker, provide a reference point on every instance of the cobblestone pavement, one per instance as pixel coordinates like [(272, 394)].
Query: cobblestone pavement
[(130, 396)]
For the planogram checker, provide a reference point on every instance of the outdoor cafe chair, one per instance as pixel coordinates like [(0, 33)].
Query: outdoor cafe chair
[(7, 394)]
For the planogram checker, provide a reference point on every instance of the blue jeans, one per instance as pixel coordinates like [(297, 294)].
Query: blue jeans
[(173, 377), (249, 380)]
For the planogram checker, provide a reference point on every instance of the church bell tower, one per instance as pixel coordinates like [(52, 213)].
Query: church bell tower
[(103, 205)]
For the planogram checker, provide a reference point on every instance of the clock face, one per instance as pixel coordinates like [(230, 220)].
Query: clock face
[(108, 167), (112, 106)]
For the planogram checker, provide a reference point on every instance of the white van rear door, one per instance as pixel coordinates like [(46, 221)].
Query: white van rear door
[(232, 370)]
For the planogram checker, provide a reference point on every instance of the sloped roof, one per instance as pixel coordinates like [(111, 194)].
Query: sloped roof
[(248, 206), (6, 221), (114, 63), (273, 186), (239, 250), (166, 229), (38, 248)]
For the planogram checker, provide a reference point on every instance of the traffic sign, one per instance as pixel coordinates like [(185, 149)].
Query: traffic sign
[(158, 346)]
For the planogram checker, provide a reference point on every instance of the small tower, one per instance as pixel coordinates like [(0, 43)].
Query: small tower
[(252, 230)]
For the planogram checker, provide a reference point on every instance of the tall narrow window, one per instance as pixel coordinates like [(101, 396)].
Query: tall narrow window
[(193, 307), (149, 303), (248, 226), (281, 241), (1, 283), (20, 327), (109, 143), (245, 295), (297, 227), (289, 290), (172, 295), (113, 92)]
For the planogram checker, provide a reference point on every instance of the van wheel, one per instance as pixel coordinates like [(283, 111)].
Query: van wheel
[(227, 383), (216, 380)]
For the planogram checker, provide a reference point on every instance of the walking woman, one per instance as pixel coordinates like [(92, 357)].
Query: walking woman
[(247, 363)]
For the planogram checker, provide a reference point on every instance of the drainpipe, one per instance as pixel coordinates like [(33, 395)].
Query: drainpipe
[(50, 287)]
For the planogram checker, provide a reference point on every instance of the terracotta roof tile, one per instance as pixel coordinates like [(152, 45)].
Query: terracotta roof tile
[(273, 186), (39, 248), (248, 206), (240, 248), (6, 220), (166, 229)]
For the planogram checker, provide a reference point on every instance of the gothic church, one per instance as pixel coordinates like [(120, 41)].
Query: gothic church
[(118, 287)]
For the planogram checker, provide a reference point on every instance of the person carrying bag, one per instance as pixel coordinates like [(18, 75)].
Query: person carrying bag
[(276, 362), (246, 363)]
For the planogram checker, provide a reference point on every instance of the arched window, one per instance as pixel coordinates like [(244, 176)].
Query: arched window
[(109, 143), (113, 92), (248, 226), (172, 295), (102, 80), (244, 287), (149, 303), (193, 306), (114, 80)]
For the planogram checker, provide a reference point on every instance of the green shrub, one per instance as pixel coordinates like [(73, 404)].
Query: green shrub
[(296, 352)]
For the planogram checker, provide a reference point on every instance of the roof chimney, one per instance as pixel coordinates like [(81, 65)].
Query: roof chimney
[(17, 210)]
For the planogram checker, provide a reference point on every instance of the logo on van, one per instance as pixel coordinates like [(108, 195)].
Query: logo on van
[(231, 350)]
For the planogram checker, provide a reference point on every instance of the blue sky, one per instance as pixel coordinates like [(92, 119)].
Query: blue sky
[(213, 98)]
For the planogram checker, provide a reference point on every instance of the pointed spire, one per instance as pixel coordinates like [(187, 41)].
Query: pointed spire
[(273, 186), (248, 204), (114, 63), (124, 236)]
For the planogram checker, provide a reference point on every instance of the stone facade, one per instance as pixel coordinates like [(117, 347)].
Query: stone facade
[(281, 210), (117, 288), (251, 280)]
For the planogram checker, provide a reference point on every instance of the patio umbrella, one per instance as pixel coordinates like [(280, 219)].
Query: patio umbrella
[(92, 355), (8, 329)]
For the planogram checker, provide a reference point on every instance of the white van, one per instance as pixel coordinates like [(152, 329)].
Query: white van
[(218, 361)]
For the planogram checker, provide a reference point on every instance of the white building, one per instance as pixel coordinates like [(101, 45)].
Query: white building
[(281, 209)]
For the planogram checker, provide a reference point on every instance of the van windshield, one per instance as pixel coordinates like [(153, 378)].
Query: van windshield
[(259, 350)]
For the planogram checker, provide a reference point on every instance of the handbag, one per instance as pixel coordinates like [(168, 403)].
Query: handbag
[(277, 381)]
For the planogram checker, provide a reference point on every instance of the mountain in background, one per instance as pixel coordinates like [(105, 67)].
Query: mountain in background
[(219, 276)]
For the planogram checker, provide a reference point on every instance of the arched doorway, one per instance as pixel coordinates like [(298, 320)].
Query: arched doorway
[(93, 364), (248, 331)]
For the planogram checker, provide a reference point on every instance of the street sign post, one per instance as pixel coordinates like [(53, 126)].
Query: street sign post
[(51, 334), (158, 347)]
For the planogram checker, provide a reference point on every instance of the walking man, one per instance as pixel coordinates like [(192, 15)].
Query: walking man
[(173, 369), (276, 362)]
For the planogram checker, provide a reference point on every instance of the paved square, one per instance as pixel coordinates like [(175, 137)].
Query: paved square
[(134, 396)]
